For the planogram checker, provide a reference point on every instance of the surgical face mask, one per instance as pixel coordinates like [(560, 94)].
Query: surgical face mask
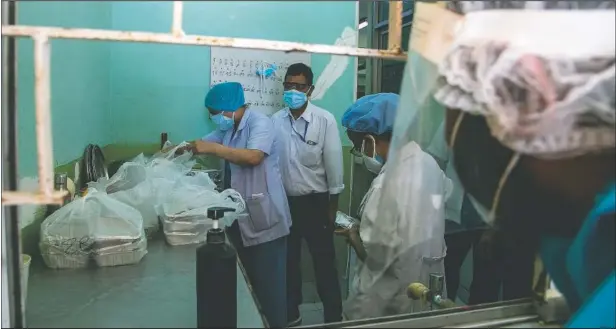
[(294, 99), (375, 163), (222, 122), (266, 71)]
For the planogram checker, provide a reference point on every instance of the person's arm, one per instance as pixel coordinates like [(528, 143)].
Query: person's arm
[(215, 136), (332, 158), (259, 144), (355, 242), (240, 157)]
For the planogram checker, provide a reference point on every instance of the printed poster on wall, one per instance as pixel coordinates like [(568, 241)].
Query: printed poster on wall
[(241, 65)]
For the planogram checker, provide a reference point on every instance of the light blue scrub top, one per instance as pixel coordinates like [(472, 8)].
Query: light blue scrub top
[(260, 186), (583, 268)]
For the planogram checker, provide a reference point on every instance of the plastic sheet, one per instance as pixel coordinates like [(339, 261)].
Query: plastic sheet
[(405, 206)]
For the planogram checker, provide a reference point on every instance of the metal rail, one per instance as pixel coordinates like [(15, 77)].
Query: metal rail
[(494, 315), (42, 35), (198, 40)]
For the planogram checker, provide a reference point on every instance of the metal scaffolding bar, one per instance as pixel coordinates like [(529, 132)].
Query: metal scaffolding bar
[(198, 40), (44, 144), (42, 100), (395, 27), (10, 198), (176, 28)]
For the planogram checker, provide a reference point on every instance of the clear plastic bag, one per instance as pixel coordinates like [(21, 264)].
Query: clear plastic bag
[(184, 213), (344, 221), (93, 227), (169, 152), (169, 169), (198, 178), (131, 186), (128, 176)]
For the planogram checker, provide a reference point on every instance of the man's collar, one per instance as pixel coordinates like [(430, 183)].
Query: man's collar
[(244, 120), (307, 115)]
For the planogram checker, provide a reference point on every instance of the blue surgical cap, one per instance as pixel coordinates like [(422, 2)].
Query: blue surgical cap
[(228, 96), (373, 114)]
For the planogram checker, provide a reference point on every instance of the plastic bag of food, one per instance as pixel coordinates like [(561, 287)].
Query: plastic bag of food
[(198, 178), (184, 213), (131, 186), (128, 176), (140, 159), (95, 226), (169, 169), (169, 152)]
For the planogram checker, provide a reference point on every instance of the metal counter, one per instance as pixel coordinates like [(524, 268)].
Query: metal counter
[(159, 292)]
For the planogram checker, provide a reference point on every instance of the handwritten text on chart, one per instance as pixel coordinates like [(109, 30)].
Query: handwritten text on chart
[(232, 69), (263, 94)]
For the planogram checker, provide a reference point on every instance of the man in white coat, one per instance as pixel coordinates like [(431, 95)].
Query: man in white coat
[(400, 239)]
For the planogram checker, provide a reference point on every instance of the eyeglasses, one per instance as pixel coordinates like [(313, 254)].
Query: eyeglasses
[(294, 85)]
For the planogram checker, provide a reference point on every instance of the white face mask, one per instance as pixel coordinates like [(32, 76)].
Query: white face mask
[(371, 163)]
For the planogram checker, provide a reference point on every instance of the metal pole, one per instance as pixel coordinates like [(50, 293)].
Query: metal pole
[(395, 27), (197, 40), (176, 28), (11, 246), (42, 99)]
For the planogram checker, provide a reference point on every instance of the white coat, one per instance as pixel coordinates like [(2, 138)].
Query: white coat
[(402, 229)]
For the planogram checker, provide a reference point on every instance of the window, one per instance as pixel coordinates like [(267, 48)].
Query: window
[(392, 71), (383, 9), (389, 73)]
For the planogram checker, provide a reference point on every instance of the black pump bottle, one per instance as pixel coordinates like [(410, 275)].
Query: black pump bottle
[(216, 277)]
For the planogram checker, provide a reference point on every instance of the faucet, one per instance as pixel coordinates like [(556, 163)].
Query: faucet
[(436, 284), (433, 294)]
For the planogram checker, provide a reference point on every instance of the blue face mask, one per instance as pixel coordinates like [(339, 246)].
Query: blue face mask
[(294, 99), (267, 71), (222, 122)]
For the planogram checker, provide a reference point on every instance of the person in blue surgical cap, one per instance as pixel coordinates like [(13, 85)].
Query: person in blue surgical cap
[(413, 230), (246, 142)]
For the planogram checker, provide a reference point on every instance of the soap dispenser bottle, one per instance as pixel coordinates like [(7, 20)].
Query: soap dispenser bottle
[(216, 277)]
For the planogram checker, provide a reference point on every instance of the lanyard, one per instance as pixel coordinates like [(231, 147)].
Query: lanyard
[(303, 138)]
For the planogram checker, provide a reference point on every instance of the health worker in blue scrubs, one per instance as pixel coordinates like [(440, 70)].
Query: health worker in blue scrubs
[(245, 140)]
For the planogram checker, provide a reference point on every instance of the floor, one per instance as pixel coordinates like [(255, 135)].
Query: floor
[(312, 313)]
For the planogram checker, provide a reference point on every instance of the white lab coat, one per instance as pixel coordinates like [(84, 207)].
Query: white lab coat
[(402, 228), (438, 148)]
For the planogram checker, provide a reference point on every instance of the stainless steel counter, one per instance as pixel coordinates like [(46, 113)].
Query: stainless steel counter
[(158, 292)]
